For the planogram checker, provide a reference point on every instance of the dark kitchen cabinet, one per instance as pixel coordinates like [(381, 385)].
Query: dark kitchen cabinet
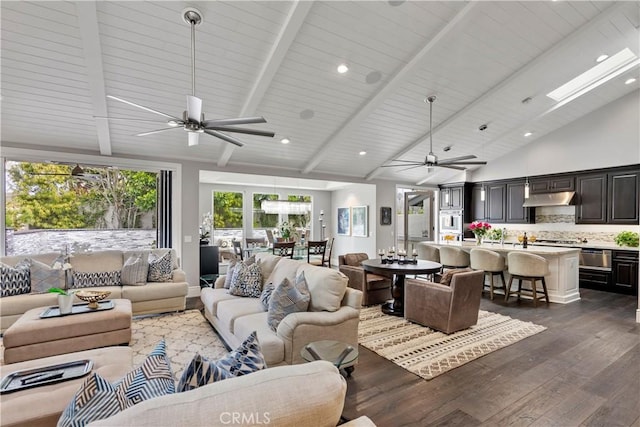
[(514, 211), (625, 272), (452, 197), (591, 200), (594, 279), (623, 197), (477, 204), (552, 184), (495, 202)]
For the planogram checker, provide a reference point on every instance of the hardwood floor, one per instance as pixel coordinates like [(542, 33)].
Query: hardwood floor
[(584, 370)]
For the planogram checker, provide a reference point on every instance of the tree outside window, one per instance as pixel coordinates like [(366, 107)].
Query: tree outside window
[(227, 217)]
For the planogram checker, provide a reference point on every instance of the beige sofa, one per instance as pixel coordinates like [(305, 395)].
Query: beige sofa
[(333, 312), (153, 297)]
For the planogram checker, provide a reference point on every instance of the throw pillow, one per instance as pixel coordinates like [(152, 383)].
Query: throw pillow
[(229, 276), (448, 275), (246, 280), (151, 379), (134, 271), (44, 277), (93, 280), (15, 280), (244, 360), (160, 269), (97, 399), (250, 260), (265, 296), (288, 298)]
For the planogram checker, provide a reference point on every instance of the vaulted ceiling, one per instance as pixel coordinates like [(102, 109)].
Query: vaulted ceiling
[(278, 60)]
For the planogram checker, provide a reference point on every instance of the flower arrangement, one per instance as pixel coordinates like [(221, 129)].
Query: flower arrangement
[(480, 228), (205, 227), (449, 237), (285, 230)]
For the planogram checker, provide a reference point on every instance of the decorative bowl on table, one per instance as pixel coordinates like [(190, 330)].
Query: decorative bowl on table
[(92, 297)]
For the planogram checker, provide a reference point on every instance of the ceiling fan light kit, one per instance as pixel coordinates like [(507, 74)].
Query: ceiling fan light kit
[(431, 160), (192, 120)]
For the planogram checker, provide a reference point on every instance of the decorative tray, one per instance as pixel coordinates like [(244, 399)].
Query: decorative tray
[(36, 377), (77, 309)]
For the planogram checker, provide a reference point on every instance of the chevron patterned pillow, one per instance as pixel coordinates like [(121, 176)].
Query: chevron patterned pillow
[(15, 280), (93, 280), (247, 358)]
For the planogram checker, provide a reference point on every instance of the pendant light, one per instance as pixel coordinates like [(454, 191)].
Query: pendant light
[(483, 194), (526, 188)]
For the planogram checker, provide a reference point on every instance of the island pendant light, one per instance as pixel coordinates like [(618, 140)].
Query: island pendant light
[(526, 188), (482, 193)]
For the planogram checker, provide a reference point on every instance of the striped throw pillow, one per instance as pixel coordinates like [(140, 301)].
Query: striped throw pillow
[(15, 280)]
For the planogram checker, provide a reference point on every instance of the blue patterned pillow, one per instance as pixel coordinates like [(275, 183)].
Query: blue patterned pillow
[(288, 298), (151, 379), (96, 400), (246, 280), (265, 296), (244, 360), (160, 268), (229, 276), (15, 280), (93, 280)]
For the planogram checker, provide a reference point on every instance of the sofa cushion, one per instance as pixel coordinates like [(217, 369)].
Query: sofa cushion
[(15, 280), (326, 286), (44, 276), (153, 291), (91, 262), (356, 259), (135, 270), (211, 297), (96, 279), (272, 345), (230, 310), (286, 268), (268, 262), (160, 269), (288, 298), (247, 358), (246, 280)]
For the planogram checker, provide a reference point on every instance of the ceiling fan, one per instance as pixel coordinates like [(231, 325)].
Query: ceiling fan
[(432, 160), (192, 119)]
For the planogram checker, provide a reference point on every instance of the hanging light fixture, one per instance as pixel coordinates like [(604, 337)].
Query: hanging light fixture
[(526, 188), (285, 207), (482, 193)]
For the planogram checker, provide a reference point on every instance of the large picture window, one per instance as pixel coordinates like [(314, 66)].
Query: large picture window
[(227, 217)]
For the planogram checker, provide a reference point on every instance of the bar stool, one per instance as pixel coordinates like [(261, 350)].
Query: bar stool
[(428, 253), (530, 267), (452, 257), (493, 265)]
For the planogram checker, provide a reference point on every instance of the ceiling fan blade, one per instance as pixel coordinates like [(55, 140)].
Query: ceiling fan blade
[(123, 119), (406, 163), (193, 138), (451, 167), (151, 132), (194, 108), (410, 167), (237, 121), (223, 137), (455, 159), (133, 104), (479, 162), (241, 130)]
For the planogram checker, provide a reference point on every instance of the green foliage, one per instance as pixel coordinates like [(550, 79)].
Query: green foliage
[(227, 209), (260, 218), (627, 238), (58, 291)]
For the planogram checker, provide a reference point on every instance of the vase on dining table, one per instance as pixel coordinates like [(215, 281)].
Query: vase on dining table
[(478, 240)]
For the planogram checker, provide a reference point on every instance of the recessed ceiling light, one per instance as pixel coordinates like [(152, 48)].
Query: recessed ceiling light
[(602, 57), (285, 140), (307, 114), (342, 68), (629, 81), (362, 153), (528, 133)]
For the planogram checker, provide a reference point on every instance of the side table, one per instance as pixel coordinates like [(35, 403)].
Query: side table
[(341, 354)]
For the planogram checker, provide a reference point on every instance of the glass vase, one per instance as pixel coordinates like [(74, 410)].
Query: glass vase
[(478, 240)]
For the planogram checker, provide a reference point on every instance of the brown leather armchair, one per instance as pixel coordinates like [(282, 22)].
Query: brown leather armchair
[(375, 289), (445, 308)]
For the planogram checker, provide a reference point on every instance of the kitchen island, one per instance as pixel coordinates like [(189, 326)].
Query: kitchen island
[(563, 279)]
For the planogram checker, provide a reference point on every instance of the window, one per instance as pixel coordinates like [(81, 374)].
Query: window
[(227, 218), (299, 222), (262, 220)]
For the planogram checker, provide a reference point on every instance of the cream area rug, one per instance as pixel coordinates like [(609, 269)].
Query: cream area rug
[(185, 334), (428, 353)]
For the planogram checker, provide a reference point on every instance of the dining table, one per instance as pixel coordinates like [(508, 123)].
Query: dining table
[(397, 271)]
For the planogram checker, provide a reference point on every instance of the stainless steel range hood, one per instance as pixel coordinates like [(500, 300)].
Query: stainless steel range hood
[(549, 199)]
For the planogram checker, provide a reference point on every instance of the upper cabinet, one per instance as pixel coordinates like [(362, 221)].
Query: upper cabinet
[(591, 199), (552, 184), (514, 212), (495, 202), (452, 197), (608, 198), (477, 204), (622, 206)]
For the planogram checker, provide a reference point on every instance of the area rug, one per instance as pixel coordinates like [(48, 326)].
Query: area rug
[(185, 334), (428, 353)]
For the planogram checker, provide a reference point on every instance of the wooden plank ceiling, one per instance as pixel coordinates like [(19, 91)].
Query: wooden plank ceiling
[(278, 59)]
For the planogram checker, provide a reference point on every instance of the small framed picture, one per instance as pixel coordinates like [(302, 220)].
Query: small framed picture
[(344, 224), (360, 221), (385, 215)]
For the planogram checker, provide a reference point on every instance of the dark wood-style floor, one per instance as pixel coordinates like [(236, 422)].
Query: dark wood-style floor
[(583, 370)]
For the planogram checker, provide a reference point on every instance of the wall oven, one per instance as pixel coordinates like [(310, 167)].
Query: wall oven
[(451, 223)]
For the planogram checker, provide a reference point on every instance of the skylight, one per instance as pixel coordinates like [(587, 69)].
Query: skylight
[(595, 76)]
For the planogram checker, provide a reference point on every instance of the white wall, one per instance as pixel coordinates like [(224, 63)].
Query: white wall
[(606, 137), (354, 195), (385, 196)]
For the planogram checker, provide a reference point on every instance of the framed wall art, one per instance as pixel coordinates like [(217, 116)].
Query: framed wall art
[(360, 221), (385, 215), (344, 222)]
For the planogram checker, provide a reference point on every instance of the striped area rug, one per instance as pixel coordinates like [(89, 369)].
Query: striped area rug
[(428, 353)]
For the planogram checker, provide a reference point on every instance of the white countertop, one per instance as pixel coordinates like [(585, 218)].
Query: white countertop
[(588, 245), (509, 247)]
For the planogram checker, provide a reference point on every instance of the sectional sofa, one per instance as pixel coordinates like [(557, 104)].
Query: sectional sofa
[(146, 298), (333, 311)]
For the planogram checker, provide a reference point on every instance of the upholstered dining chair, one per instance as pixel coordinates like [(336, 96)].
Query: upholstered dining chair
[(237, 249), (316, 251), (327, 260), (375, 289), (284, 249), (270, 238), (255, 241)]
